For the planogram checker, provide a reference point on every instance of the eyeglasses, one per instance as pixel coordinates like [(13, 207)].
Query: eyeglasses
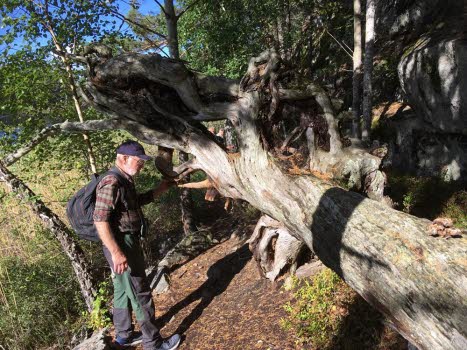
[(139, 162)]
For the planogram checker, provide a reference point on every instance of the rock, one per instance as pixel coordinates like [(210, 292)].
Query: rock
[(309, 269), (162, 285), (98, 341), (80, 336), (432, 74)]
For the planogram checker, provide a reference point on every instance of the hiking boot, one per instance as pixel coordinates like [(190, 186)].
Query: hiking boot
[(134, 339), (170, 343)]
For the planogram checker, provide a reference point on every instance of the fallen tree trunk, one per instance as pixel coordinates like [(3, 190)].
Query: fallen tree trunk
[(60, 231), (419, 282)]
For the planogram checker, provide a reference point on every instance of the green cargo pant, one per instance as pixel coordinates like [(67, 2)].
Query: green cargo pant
[(132, 292)]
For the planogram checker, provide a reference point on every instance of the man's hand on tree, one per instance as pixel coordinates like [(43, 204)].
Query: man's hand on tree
[(163, 186)]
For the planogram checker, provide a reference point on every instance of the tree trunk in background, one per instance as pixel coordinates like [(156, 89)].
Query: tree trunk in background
[(172, 30), (368, 67), (186, 200), (74, 94), (357, 68), (60, 231)]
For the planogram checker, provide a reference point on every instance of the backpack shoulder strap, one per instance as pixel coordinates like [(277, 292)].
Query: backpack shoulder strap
[(121, 180)]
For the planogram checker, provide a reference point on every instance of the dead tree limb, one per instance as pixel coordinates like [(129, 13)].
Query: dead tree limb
[(60, 231)]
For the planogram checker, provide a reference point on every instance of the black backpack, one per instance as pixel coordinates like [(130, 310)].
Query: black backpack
[(80, 207)]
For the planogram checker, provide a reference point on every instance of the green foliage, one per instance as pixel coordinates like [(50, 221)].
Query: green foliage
[(312, 315), (72, 21), (39, 297), (429, 197), (37, 91), (100, 315), (456, 208), (35, 272), (327, 314), (408, 202), (219, 38)]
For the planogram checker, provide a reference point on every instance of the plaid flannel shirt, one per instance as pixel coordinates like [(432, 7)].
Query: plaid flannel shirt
[(110, 207)]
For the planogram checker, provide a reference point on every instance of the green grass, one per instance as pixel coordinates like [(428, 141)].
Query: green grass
[(39, 297)]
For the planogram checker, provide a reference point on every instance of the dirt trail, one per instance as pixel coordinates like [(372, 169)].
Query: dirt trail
[(218, 301)]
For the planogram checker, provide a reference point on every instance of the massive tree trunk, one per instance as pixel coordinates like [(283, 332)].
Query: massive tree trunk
[(59, 229), (417, 281)]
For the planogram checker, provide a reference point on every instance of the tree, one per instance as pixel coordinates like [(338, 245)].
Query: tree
[(146, 27), (387, 256), (186, 201), (41, 19), (310, 34), (36, 96), (368, 67), (357, 67)]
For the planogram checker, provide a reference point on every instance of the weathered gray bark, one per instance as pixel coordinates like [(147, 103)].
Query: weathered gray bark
[(357, 67), (387, 256), (359, 169), (274, 248), (368, 67), (59, 229), (419, 282)]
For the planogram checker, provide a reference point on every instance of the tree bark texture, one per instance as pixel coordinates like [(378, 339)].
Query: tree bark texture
[(368, 67), (59, 229), (419, 282), (357, 67), (172, 30), (274, 248), (186, 202)]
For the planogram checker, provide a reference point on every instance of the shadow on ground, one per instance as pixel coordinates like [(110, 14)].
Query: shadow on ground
[(220, 274)]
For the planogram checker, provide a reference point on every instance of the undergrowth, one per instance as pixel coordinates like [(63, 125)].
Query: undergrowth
[(39, 296), (429, 197), (100, 316), (328, 314)]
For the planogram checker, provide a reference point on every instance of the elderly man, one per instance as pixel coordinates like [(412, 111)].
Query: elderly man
[(120, 223)]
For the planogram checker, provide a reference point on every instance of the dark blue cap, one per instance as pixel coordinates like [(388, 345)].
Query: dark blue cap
[(132, 148)]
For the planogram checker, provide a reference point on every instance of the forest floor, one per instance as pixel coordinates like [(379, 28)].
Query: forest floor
[(219, 301)]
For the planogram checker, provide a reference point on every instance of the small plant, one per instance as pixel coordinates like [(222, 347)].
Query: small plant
[(408, 202), (100, 316), (314, 315), (456, 208), (327, 314)]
